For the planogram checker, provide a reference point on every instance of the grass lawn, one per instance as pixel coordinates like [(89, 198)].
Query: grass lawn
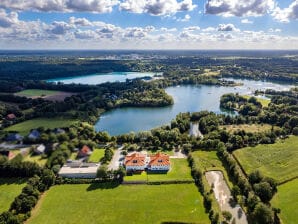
[(264, 102), (279, 160), (24, 127), (179, 171), (36, 93), (85, 204), (9, 189), (286, 200), (208, 160), (248, 127), (36, 158), (96, 155)]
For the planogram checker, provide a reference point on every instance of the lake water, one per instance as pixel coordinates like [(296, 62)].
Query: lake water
[(99, 78), (186, 98)]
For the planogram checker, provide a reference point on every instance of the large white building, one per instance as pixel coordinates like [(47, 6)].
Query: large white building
[(79, 170)]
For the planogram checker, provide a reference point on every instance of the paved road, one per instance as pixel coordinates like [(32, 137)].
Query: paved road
[(223, 195), (5, 145), (115, 162)]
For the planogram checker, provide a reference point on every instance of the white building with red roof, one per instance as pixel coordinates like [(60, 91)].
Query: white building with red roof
[(159, 162), (136, 162)]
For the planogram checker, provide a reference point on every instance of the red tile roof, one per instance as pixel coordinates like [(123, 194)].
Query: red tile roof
[(135, 159), (85, 151), (11, 116), (159, 159)]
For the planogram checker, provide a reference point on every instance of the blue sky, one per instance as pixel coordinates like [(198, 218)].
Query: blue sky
[(149, 24)]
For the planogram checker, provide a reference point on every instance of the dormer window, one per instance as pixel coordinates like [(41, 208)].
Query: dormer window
[(135, 161), (160, 160)]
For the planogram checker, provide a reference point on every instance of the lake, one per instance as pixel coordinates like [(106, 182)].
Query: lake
[(186, 98), (99, 78)]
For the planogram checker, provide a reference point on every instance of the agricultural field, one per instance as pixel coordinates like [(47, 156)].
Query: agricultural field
[(179, 171), (24, 127), (46, 94), (88, 204), (9, 189), (286, 200), (96, 155), (279, 160), (248, 127)]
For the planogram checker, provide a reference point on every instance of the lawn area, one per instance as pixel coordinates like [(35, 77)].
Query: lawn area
[(208, 160), (264, 102), (96, 155), (248, 127), (9, 189), (36, 158), (279, 160), (85, 204), (286, 200), (24, 127), (36, 93), (179, 171)]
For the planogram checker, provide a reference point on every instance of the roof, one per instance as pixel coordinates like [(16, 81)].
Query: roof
[(14, 137), (135, 159), (34, 134), (85, 168), (41, 148), (11, 116), (159, 159), (85, 151)]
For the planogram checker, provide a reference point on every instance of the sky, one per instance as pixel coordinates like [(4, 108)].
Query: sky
[(148, 24)]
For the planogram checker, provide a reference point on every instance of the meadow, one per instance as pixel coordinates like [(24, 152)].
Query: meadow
[(279, 160), (248, 127), (96, 155), (264, 102), (9, 189), (36, 93), (24, 127), (88, 204), (179, 171), (286, 200)]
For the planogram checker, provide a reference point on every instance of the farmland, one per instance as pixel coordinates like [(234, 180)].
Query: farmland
[(179, 171), (9, 189), (123, 204), (286, 200), (279, 161), (24, 127), (46, 94)]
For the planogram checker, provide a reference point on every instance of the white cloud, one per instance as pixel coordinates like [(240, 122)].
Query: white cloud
[(164, 29), (209, 29), (80, 21), (227, 27), (185, 19), (8, 19), (191, 28), (286, 14), (59, 28), (239, 7), (85, 34), (157, 7), (246, 21), (98, 6)]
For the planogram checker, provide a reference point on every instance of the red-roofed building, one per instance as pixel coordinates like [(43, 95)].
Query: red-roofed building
[(11, 117), (85, 151), (136, 162), (159, 162)]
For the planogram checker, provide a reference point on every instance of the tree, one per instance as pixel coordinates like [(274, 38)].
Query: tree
[(102, 172), (227, 215), (255, 177), (264, 191), (262, 214)]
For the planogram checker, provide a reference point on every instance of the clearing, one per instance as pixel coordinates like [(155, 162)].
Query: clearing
[(24, 127), (179, 171), (46, 94), (253, 128), (97, 203), (286, 200), (96, 155), (9, 189), (279, 160), (264, 102)]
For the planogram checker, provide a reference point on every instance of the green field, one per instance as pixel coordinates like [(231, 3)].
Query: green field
[(90, 204), (279, 160), (208, 160), (96, 155), (9, 189), (286, 200), (36, 158), (36, 93), (264, 102), (248, 127), (179, 171), (24, 127)]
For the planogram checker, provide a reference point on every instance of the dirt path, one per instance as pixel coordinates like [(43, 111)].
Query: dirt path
[(36, 209), (223, 196)]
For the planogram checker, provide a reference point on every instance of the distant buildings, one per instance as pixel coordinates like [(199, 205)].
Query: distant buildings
[(139, 162), (84, 151), (14, 137), (34, 134), (11, 117), (40, 149), (77, 169)]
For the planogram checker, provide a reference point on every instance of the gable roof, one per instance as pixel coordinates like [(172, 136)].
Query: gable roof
[(84, 151), (159, 159), (11, 116), (14, 137), (135, 159), (34, 134)]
